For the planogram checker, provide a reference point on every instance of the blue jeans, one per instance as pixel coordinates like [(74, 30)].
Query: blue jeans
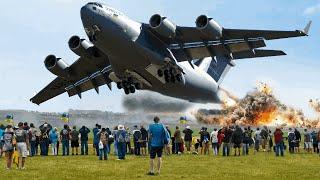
[(225, 149), (44, 147), (245, 148), (103, 152), (279, 149), (121, 150), (96, 145), (65, 147), (32, 148), (84, 147)]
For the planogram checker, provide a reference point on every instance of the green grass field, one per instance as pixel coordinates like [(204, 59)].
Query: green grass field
[(262, 165)]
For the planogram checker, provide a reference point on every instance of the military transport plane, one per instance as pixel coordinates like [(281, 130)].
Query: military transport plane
[(182, 62)]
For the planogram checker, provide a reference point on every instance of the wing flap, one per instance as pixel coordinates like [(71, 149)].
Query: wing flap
[(200, 50), (258, 53)]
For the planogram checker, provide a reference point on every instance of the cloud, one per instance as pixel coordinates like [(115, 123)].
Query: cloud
[(312, 10)]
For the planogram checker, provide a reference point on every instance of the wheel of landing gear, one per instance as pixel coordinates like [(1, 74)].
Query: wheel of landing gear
[(137, 86), (119, 86), (166, 72), (179, 78), (173, 79), (126, 91), (160, 73), (167, 79), (132, 89)]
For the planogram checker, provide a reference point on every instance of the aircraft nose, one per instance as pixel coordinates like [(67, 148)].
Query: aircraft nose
[(86, 14)]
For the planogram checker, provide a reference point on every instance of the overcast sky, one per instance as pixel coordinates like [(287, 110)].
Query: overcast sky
[(30, 30)]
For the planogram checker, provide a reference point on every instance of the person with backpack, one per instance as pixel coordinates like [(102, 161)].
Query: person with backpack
[(246, 141), (144, 140), (188, 138), (158, 136), (177, 140), (84, 131), (44, 139), (214, 141), (236, 139), (22, 140), (227, 132), (33, 139), (8, 146), (128, 141), (103, 144), (298, 140), (264, 138), (74, 137), (278, 139), (65, 137), (136, 140), (307, 141), (121, 139), (257, 140), (53, 135), (291, 140)]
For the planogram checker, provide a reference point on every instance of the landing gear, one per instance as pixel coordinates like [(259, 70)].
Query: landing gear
[(137, 86), (160, 73), (126, 91), (170, 75), (132, 89), (129, 86), (119, 86)]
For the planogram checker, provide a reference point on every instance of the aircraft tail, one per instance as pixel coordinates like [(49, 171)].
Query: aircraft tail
[(216, 67)]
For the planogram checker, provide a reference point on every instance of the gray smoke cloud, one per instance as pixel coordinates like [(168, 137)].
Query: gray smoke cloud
[(154, 102)]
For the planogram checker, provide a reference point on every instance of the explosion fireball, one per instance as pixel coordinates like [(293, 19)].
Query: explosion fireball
[(259, 107)]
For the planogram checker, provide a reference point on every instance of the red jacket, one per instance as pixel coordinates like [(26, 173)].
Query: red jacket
[(278, 136)]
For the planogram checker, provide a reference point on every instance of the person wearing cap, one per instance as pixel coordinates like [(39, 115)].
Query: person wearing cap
[(22, 140), (8, 146), (188, 138), (121, 142), (74, 136)]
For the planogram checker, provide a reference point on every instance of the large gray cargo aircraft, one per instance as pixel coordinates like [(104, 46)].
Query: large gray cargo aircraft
[(183, 62)]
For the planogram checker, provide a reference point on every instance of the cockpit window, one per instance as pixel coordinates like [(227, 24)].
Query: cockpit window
[(96, 4)]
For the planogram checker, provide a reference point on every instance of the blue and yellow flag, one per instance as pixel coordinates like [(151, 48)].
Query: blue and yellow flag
[(183, 120), (65, 117)]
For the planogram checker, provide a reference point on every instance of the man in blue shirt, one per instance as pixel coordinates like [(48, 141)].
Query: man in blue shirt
[(96, 139), (159, 136)]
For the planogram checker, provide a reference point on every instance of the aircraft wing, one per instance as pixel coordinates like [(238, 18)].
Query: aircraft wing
[(85, 75), (192, 34), (190, 43)]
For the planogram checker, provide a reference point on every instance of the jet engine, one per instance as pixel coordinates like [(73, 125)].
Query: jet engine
[(57, 66), (209, 26), (83, 48), (163, 26)]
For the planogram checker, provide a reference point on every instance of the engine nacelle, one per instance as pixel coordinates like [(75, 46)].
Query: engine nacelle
[(163, 26), (57, 66), (209, 27), (83, 48)]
